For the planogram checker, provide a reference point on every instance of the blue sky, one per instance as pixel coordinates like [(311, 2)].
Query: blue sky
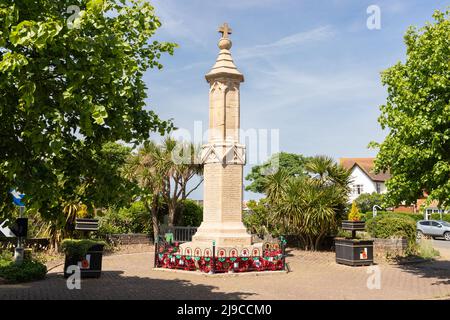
[(312, 68)]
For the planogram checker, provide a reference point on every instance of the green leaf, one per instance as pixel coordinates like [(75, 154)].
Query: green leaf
[(99, 114)]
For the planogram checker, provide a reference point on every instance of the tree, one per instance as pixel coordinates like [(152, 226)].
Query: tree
[(191, 215), (181, 162), (416, 150), (292, 164), (309, 206), (366, 201), (161, 178), (105, 186), (67, 88), (147, 170), (259, 220)]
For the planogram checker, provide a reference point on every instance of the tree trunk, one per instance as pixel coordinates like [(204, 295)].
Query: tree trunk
[(155, 224), (318, 240), (154, 211), (172, 208)]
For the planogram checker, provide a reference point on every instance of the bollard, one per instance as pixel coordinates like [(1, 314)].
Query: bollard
[(156, 264), (213, 269), (283, 251)]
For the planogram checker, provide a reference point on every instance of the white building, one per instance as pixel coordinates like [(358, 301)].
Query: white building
[(364, 180)]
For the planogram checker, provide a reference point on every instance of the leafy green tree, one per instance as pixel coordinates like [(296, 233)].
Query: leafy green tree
[(292, 164), (191, 214), (416, 150), (133, 219), (67, 88), (366, 201), (105, 186), (259, 220)]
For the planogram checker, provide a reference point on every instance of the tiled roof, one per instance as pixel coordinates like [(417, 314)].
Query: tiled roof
[(367, 165)]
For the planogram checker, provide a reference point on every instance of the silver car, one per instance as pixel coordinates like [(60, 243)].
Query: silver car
[(433, 228)]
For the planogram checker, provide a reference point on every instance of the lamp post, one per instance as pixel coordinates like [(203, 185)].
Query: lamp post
[(374, 210)]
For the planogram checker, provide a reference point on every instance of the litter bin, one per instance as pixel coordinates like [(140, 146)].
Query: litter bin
[(90, 265)]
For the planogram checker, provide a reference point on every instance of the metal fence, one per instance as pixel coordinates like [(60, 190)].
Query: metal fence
[(35, 244), (169, 255), (180, 234)]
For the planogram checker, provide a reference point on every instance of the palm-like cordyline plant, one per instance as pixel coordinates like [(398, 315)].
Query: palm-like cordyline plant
[(182, 163), (163, 171), (309, 207), (275, 186), (147, 169)]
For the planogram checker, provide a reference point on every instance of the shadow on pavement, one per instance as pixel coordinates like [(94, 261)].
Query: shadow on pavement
[(439, 270), (114, 285)]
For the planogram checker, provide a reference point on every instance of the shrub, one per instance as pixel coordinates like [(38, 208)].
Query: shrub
[(258, 220), (354, 214), (79, 248), (133, 219), (366, 201), (29, 270), (191, 213), (393, 225), (416, 216)]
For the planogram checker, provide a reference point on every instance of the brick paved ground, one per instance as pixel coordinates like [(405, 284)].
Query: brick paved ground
[(313, 276)]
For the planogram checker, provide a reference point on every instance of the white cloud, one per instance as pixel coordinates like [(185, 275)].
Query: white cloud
[(249, 4), (180, 23), (287, 44)]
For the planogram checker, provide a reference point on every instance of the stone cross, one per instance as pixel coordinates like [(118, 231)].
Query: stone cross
[(225, 30)]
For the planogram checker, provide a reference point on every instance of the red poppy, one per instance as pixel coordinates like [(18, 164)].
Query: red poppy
[(85, 264)]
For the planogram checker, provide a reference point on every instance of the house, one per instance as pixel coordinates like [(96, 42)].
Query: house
[(364, 179), (431, 208)]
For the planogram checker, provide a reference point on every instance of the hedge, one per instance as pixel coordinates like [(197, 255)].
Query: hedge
[(79, 248), (416, 216), (393, 225)]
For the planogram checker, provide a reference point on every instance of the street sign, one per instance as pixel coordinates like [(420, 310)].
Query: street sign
[(5, 230), (17, 198)]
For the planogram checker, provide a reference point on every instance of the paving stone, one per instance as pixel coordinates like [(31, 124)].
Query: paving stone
[(314, 275)]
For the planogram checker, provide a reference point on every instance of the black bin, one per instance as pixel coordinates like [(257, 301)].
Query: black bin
[(90, 265), (354, 252)]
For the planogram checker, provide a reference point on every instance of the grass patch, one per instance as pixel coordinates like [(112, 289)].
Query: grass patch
[(426, 251)]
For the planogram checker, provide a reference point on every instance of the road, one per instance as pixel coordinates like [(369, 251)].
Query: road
[(443, 247)]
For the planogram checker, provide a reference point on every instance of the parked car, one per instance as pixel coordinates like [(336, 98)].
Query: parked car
[(433, 228)]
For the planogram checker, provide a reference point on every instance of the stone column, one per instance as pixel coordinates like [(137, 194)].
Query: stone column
[(223, 157)]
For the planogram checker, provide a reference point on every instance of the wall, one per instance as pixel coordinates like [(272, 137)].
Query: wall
[(129, 239), (384, 248)]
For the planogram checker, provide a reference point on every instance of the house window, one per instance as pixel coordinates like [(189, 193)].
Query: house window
[(378, 186), (358, 189)]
